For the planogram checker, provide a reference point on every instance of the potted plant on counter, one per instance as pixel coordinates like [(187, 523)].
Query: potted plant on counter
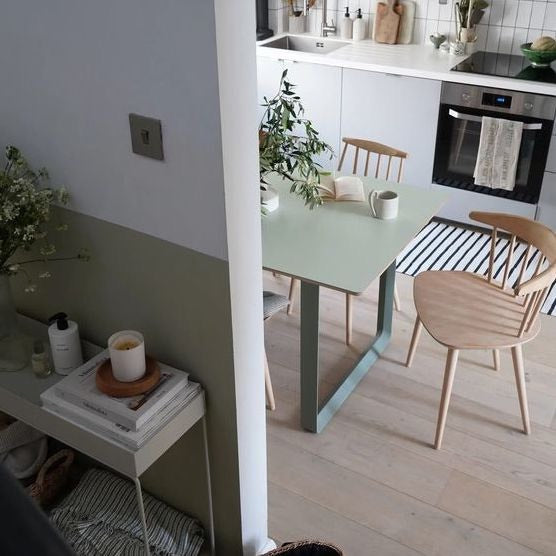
[(25, 211), (288, 143)]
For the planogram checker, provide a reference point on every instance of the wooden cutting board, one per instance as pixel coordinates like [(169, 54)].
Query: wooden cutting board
[(387, 22), (407, 19)]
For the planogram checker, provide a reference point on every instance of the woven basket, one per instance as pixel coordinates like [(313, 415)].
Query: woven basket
[(51, 478), (306, 548)]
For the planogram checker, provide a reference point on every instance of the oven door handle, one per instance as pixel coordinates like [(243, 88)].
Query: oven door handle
[(470, 118)]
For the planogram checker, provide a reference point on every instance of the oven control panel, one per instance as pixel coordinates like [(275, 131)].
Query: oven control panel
[(501, 101), (498, 100)]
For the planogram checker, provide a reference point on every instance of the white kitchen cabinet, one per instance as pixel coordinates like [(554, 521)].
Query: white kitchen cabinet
[(320, 89), (546, 212), (399, 111)]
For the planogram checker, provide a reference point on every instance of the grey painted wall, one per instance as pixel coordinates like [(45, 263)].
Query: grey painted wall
[(159, 232), (76, 69), (180, 300)]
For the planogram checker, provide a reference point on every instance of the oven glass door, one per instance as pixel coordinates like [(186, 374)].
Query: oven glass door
[(459, 132)]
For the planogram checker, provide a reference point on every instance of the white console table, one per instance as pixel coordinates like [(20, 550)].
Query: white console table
[(20, 397)]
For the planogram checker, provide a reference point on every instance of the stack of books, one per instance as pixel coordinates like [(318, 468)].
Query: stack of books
[(129, 421)]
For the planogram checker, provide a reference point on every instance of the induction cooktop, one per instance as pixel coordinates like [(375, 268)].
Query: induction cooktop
[(505, 65)]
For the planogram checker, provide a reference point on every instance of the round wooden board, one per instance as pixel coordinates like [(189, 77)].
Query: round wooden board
[(107, 384)]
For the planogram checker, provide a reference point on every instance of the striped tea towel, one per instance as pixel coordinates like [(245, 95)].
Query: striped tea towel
[(101, 518), (498, 153)]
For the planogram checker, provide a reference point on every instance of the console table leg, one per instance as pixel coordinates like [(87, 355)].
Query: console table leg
[(142, 514), (209, 488)]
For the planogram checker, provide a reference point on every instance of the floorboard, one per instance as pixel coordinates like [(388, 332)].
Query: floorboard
[(372, 483)]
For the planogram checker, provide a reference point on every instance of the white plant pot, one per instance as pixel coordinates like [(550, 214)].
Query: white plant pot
[(270, 200), (297, 24)]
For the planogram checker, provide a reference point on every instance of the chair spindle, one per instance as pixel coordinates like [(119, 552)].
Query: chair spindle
[(509, 260), (367, 163), (523, 265), (388, 168), (377, 167), (355, 160), (492, 252)]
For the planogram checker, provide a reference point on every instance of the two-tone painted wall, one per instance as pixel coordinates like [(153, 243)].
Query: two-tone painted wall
[(176, 244)]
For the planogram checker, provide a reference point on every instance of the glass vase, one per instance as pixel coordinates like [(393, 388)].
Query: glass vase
[(13, 348)]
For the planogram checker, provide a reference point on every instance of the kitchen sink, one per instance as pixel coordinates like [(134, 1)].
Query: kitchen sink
[(313, 45)]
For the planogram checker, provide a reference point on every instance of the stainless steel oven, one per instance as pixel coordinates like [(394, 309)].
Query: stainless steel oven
[(459, 129)]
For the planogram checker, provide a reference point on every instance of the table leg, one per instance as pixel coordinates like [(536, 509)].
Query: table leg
[(313, 417), (209, 489), (309, 361), (142, 514)]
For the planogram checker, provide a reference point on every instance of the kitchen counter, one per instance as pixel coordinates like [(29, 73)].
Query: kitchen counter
[(415, 60)]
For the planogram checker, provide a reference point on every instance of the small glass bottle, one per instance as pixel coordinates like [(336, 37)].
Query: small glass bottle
[(40, 360)]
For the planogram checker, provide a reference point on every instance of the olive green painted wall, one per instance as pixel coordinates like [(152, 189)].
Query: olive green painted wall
[(179, 299)]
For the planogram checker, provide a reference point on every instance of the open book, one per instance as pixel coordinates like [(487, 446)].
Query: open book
[(345, 188)]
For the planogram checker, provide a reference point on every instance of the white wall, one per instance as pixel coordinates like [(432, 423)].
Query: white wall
[(238, 73), (75, 69), (505, 25)]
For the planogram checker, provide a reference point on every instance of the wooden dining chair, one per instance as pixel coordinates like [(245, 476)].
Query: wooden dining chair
[(383, 153), (272, 304), (462, 310)]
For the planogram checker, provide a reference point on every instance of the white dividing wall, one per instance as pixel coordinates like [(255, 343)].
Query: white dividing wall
[(237, 73), (72, 71)]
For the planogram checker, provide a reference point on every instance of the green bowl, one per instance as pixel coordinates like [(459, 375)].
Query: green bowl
[(538, 58)]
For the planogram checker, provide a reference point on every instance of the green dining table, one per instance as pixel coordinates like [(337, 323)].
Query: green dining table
[(340, 246)]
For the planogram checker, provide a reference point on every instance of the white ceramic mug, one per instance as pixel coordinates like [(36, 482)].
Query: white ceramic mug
[(127, 355), (384, 204)]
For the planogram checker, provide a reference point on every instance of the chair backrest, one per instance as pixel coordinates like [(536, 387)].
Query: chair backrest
[(371, 147), (536, 236)]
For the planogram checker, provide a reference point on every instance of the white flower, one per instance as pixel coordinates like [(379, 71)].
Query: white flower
[(31, 288), (45, 274)]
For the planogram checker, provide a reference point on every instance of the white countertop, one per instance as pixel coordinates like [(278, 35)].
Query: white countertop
[(413, 60)]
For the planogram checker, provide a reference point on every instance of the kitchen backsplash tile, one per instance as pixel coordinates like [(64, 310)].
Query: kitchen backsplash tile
[(505, 25)]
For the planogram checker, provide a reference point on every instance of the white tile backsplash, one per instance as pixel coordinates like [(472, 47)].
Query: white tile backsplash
[(550, 17), (504, 27), (510, 13), (524, 14)]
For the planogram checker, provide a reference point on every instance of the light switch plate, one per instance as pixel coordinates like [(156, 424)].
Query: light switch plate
[(146, 136)]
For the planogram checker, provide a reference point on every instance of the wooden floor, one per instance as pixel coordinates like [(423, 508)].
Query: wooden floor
[(371, 482)]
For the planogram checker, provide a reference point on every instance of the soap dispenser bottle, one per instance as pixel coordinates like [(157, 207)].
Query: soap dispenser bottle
[(64, 343), (359, 27), (346, 27)]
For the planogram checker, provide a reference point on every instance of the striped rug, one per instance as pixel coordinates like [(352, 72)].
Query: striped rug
[(442, 246)]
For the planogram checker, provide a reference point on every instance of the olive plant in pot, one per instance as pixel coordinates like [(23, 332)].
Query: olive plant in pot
[(26, 203), (288, 143)]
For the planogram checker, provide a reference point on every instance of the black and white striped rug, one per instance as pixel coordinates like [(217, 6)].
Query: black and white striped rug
[(442, 246)]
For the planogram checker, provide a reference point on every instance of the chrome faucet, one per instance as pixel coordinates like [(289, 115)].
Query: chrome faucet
[(325, 26)]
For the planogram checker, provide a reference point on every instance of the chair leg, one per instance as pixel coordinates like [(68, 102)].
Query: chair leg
[(449, 373), (294, 283), (496, 359), (414, 341), (349, 317), (517, 356), (270, 403), (397, 304)]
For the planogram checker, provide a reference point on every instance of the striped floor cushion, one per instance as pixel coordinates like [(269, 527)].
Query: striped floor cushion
[(100, 518), (442, 246)]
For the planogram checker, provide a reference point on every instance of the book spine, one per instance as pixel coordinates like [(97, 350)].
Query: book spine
[(96, 409), (107, 432)]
